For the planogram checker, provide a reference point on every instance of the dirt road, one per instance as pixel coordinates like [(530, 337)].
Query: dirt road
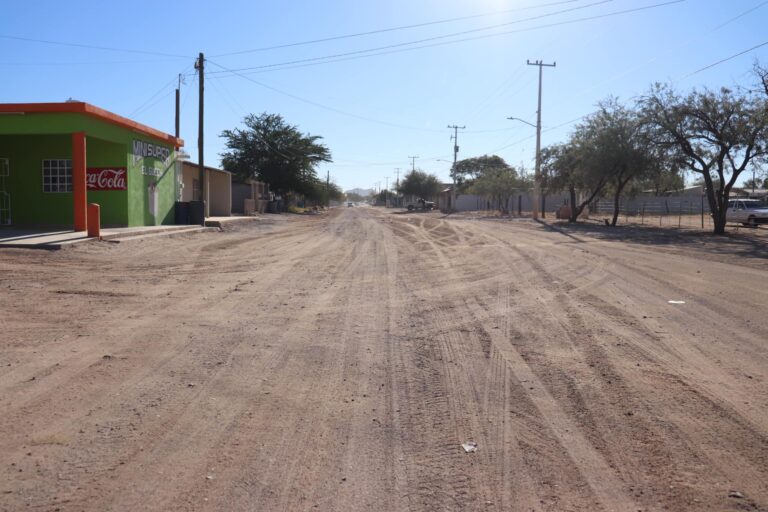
[(339, 362)]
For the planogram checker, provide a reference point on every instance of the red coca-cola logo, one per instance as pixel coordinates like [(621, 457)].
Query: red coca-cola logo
[(107, 178)]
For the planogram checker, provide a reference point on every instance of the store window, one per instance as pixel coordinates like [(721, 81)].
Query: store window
[(57, 175)]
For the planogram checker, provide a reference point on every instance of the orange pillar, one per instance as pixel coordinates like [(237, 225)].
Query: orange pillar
[(79, 190), (94, 220)]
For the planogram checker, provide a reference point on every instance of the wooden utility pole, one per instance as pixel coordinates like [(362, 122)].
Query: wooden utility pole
[(455, 139), (200, 66), (178, 108), (537, 173), (397, 187)]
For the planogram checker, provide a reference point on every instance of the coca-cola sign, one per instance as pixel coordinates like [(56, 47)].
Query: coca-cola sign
[(107, 178)]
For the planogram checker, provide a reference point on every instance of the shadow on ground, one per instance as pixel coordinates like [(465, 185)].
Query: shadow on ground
[(740, 242)]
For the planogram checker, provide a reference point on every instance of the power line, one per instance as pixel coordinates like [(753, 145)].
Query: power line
[(391, 29), (142, 108), (320, 105), (740, 15), (721, 61), (369, 52), (637, 66), (433, 38), (87, 63), (92, 47)]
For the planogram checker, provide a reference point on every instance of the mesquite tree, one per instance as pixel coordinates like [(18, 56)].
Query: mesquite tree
[(718, 134)]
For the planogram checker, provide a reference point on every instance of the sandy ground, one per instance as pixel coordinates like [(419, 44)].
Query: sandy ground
[(339, 362)]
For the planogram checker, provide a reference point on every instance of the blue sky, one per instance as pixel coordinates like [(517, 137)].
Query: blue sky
[(374, 111)]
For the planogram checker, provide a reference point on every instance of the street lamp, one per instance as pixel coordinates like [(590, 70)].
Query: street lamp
[(522, 121)]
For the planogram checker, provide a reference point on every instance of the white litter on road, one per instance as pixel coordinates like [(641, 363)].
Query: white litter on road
[(676, 301), (469, 447)]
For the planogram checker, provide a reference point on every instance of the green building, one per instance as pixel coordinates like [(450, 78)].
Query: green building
[(57, 157)]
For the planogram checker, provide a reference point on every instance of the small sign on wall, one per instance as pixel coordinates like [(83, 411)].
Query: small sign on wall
[(107, 178)]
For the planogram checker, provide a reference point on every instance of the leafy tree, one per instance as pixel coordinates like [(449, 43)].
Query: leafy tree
[(613, 143), (498, 181), (662, 180), (277, 153), (466, 171), (755, 183), (383, 196), (321, 193), (420, 184), (717, 135), (563, 165)]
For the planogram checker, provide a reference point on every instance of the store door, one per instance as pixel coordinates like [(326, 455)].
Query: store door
[(5, 197)]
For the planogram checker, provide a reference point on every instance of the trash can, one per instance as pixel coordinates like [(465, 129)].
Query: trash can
[(197, 212), (182, 212)]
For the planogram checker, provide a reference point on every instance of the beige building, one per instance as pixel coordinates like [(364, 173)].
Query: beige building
[(218, 189), (250, 197)]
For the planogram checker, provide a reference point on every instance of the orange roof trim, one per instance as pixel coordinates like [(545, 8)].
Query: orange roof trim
[(79, 107)]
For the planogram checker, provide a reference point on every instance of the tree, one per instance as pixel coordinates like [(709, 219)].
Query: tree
[(420, 184), (756, 182), (563, 165), (614, 143), (466, 171), (662, 180), (498, 181), (761, 72), (277, 153), (716, 134), (321, 193)]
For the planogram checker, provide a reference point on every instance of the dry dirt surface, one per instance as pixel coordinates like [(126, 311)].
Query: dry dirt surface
[(340, 361)]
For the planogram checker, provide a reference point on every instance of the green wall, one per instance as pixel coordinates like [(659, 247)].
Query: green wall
[(141, 173), (27, 140)]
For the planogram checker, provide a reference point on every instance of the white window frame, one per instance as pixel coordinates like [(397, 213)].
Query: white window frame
[(59, 181)]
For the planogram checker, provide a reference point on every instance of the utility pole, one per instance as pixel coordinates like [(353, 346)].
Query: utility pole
[(537, 172), (178, 107), (328, 187), (200, 66), (455, 139), (413, 162), (397, 187), (386, 192)]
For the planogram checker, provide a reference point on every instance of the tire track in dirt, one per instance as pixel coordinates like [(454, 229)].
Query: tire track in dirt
[(679, 442)]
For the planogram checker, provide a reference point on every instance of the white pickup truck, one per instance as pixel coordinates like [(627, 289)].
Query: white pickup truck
[(749, 212)]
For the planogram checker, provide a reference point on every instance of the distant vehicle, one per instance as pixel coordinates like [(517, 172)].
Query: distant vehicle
[(349, 204), (749, 212), (421, 204)]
